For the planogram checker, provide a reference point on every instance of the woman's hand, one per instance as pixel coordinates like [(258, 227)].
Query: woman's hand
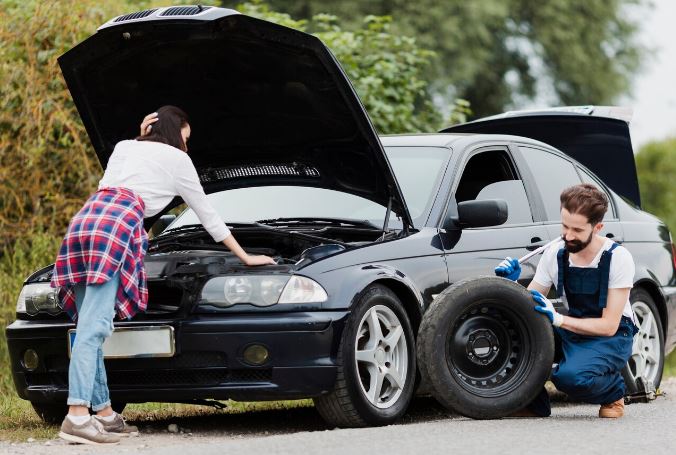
[(258, 260), (147, 123)]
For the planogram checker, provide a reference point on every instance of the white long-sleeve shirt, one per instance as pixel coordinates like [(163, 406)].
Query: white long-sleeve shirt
[(158, 172)]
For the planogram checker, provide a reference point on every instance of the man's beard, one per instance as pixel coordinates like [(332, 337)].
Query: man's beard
[(575, 246)]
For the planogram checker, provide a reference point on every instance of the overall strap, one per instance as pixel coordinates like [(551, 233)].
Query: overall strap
[(562, 260), (604, 269)]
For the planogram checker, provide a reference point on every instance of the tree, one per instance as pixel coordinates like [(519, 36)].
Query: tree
[(499, 54), (656, 167), (385, 68)]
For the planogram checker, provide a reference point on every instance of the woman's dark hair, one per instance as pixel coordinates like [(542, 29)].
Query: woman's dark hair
[(168, 128)]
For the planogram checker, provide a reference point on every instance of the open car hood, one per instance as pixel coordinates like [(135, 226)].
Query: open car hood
[(596, 136), (268, 105)]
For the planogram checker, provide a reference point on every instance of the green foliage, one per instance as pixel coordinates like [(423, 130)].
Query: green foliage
[(17, 262), (656, 167), (386, 69), (492, 52)]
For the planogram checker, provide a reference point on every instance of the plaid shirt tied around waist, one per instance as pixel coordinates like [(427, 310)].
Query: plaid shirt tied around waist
[(104, 237)]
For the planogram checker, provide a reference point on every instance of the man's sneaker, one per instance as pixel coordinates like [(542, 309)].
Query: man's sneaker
[(90, 432), (118, 426), (612, 410)]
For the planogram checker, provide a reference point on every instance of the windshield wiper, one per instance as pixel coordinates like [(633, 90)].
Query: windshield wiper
[(323, 222)]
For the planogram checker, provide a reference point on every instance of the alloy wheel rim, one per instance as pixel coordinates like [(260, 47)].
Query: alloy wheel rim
[(381, 356), (645, 351)]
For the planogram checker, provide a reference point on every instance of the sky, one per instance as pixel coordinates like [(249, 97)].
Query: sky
[(653, 96)]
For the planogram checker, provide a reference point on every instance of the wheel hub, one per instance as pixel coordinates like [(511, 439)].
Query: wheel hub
[(482, 346), (380, 356)]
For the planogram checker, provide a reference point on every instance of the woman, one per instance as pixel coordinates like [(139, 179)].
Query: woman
[(100, 262)]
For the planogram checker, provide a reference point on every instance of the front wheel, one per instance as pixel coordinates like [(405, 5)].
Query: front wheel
[(376, 364), (51, 413)]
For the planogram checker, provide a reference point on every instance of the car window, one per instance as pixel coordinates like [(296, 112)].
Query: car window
[(418, 171), (588, 178), (491, 175), (552, 175)]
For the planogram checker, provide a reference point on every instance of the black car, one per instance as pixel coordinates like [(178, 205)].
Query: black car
[(368, 232)]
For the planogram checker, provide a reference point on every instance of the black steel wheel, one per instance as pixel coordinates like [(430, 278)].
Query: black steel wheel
[(486, 352)]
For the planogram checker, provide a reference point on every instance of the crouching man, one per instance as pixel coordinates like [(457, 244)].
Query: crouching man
[(594, 275)]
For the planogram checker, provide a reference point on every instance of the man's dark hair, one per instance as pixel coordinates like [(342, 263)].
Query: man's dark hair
[(585, 199), (168, 128)]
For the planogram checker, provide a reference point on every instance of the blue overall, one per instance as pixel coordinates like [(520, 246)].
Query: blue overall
[(589, 367)]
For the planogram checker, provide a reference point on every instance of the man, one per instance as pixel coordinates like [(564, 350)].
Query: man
[(594, 275)]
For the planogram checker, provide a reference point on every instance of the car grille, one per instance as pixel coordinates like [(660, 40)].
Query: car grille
[(136, 15), (163, 298), (192, 368)]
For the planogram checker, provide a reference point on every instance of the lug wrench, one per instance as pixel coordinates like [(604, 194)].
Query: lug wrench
[(539, 250)]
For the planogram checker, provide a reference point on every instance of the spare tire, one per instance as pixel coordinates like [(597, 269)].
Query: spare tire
[(485, 351)]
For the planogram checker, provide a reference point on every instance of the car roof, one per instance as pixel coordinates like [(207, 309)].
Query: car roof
[(454, 139)]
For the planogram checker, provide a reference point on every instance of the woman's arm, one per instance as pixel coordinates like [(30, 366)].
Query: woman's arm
[(247, 259)]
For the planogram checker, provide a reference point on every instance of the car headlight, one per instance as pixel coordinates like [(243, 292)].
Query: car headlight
[(38, 297), (225, 291), (300, 289)]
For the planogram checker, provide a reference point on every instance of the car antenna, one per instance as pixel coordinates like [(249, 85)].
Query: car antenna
[(200, 7)]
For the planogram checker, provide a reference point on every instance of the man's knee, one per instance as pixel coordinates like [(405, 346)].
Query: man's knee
[(573, 382)]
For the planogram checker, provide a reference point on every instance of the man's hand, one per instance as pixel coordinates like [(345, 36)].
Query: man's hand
[(147, 123), (509, 268), (544, 306)]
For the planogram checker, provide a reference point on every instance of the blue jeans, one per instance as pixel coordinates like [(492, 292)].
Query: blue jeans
[(87, 384)]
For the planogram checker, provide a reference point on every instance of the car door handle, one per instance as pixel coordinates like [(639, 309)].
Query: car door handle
[(535, 243), (610, 235)]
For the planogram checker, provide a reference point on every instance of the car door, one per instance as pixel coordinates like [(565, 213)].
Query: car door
[(491, 172)]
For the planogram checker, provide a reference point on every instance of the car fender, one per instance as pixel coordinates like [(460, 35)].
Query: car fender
[(346, 286)]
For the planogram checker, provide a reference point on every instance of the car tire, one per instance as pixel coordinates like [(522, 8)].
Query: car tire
[(377, 388), (50, 413), (647, 356), (485, 351), (118, 406)]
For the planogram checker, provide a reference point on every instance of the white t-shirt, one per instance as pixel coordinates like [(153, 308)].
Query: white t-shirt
[(158, 172), (621, 269)]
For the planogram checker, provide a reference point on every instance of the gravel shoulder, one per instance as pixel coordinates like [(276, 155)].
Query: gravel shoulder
[(427, 428)]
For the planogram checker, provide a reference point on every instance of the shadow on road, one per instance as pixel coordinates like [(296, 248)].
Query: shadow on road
[(277, 421)]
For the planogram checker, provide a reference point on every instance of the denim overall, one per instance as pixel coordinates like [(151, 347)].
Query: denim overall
[(589, 368)]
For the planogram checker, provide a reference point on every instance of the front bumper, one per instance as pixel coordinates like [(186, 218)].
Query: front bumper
[(208, 361)]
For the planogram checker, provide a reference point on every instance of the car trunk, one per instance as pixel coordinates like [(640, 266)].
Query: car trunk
[(602, 144)]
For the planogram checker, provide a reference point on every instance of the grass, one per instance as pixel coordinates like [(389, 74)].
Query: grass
[(18, 421)]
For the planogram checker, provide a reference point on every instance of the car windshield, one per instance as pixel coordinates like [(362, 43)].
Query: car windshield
[(418, 171)]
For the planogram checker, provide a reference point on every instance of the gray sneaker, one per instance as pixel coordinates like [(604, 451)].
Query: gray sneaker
[(90, 432), (118, 426)]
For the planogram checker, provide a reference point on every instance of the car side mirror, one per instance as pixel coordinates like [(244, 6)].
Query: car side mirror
[(161, 224), (482, 213)]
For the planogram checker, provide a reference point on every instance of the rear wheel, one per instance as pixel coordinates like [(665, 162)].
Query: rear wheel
[(647, 354), (486, 352), (376, 364)]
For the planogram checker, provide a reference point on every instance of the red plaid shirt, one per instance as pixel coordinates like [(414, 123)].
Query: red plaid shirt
[(104, 237)]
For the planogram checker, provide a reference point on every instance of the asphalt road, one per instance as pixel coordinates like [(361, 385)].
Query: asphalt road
[(426, 429)]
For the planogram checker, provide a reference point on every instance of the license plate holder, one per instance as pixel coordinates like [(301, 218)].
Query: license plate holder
[(134, 342)]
